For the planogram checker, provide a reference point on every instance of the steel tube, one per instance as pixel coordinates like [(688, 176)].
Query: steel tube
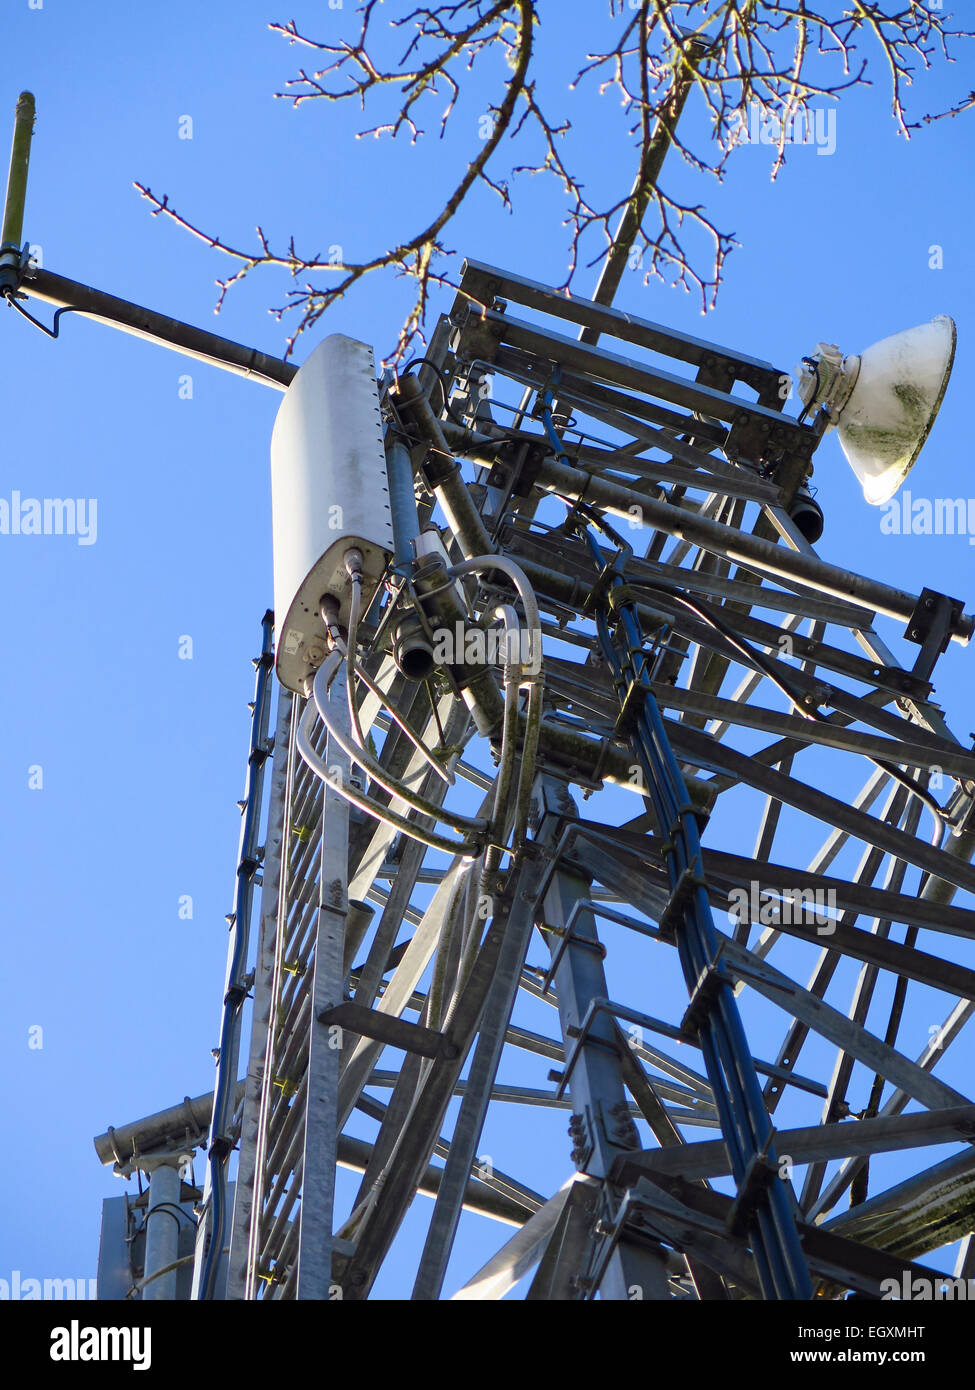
[(159, 328), (162, 1234), (165, 1127), (740, 547), (402, 502), (13, 208), (449, 488)]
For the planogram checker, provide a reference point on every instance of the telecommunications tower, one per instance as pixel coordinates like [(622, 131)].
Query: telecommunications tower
[(573, 771)]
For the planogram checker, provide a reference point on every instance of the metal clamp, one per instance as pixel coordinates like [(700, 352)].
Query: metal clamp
[(684, 890), (581, 1036), (567, 935), (759, 1176), (704, 995), (931, 625)]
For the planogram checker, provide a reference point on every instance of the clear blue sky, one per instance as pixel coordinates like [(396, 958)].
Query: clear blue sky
[(143, 753)]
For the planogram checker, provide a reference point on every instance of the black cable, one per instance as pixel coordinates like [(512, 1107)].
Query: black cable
[(768, 668), (171, 1209), (445, 404), (50, 332)]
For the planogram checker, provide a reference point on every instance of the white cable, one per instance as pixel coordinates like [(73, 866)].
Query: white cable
[(346, 653), (364, 803), (509, 730), (355, 578), (374, 768), (446, 774), (480, 564), (353, 670)]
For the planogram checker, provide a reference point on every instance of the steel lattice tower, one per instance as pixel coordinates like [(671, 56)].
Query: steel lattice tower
[(631, 505), (543, 440)]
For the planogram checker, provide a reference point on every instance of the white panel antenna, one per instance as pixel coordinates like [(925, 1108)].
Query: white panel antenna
[(329, 493)]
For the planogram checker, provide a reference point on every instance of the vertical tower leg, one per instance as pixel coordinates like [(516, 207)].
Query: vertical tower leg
[(601, 1122), (321, 1126)]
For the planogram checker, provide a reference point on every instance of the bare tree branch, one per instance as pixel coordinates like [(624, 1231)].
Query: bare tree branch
[(777, 55)]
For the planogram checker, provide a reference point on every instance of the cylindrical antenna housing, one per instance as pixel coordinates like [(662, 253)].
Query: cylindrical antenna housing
[(329, 494)]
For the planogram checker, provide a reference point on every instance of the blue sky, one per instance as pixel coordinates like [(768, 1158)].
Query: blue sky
[(142, 753)]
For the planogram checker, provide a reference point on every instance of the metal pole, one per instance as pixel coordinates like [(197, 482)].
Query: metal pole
[(159, 328), (162, 1232), (744, 549), (122, 1146), (13, 208), (402, 502)]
